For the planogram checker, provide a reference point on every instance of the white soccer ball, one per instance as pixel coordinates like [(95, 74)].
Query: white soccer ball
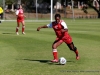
[(62, 61)]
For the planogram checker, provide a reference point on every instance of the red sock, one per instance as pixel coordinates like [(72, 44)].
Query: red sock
[(23, 28), (55, 54), (76, 52), (17, 29)]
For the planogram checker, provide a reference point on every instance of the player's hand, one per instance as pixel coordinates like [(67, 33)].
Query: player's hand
[(38, 29)]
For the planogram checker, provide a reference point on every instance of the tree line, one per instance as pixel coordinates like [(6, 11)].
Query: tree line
[(88, 2)]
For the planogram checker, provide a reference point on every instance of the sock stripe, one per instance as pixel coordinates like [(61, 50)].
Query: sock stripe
[(23, 26), (17, 27), (54, 50)]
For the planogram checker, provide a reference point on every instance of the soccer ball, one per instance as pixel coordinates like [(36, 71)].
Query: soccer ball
[(62, 61)]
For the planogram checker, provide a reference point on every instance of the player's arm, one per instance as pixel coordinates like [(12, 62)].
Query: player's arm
[(65, 27), (17, 12), (24, 16), (45, 26)]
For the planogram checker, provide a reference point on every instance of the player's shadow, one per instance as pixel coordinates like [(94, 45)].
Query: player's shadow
[(41, 61), (7, 33), (46, 61)]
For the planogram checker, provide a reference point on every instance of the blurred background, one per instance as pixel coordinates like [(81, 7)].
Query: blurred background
[(41, 9)]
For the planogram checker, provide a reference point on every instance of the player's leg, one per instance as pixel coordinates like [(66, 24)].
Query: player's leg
[(73, 48), (23, 27), (54, 50), (68, 41), (17, 28), (0, 16)]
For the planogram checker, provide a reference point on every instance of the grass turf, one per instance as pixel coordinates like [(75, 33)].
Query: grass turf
[(30, 54)]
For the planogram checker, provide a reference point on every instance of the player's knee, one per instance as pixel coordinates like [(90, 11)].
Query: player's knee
[(17, 27), (73, 49), (54, 46), (23, 26)]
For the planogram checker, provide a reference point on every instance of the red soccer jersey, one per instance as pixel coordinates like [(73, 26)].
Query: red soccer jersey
[(58, 30), (20, 15)]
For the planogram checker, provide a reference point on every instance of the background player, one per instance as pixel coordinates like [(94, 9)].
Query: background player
[(20, 19), (1, 13), (61, 31)]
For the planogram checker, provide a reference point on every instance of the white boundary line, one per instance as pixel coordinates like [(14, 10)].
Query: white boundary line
[(28, 20), (42, 21)]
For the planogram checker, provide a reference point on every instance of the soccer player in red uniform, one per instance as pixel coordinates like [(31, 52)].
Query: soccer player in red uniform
[(61, 31), (20, 19)]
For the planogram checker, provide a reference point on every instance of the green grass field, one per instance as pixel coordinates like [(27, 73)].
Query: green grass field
[(30, 54)]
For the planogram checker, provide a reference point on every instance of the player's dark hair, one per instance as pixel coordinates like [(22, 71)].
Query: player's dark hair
[(18, 6), (57, 15)]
